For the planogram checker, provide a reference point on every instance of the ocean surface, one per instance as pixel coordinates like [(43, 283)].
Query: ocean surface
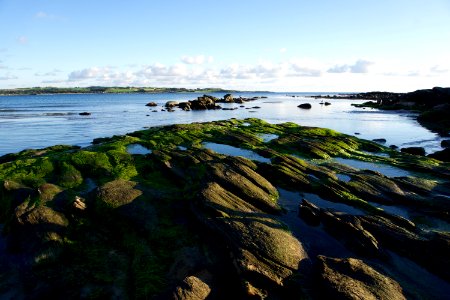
[(39, 121)]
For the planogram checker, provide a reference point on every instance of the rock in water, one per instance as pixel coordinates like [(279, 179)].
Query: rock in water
[(305, 106), (170, 104), (228, 98), (443, 155), (414, 150)]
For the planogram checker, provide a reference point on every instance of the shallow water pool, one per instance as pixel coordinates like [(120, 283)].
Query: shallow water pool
[(234, 151)]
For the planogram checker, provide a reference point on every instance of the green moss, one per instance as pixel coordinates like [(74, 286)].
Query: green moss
[(68, 176), (92, 163), (31, 172), (123, 164)]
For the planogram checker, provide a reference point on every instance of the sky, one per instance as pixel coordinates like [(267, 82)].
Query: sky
[(283, 45)]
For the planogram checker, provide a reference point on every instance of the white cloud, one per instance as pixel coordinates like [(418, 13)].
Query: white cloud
[(53, 81), (339, 69), (283, 50), (197, 59), (22, 40), (360, 66), (8, 76), (41, 15), (46, 16), (88, 73), (293, 74), (438, 69), (55, 72), (160, 70)]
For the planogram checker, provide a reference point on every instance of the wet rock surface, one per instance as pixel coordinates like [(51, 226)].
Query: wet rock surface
[(185, 222)]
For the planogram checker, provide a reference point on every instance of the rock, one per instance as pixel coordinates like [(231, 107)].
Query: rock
[(443, 155), (185, 106), (85, 113), (228, 98), (305, 106), (445, 144), (380, 141), (309, 213), (327, 103), (35, 227), (351, 278), (79, 203), (124, 199), (429, 250), (263, 248), (151, 104), (349, 230), (414, 150), (117, 193), (248, 185), (170, 104), (375, 186), (193, 288), (204, 102)]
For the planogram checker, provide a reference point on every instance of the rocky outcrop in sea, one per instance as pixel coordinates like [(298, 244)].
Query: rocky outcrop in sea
[(309, 213)]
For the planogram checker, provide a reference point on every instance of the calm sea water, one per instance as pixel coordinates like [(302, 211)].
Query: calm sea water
[(44, 120)]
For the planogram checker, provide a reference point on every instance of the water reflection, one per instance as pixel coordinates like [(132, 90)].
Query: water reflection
[(234, 151)]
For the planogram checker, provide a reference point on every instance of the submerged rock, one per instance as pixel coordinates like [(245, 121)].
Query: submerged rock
[(380, 141)]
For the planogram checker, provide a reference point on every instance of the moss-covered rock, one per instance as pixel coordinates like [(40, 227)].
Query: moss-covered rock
[(127, 236)]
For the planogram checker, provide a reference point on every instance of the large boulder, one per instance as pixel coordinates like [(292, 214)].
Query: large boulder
[(204, 102), (171, 104), (351, 278), (443, 155)]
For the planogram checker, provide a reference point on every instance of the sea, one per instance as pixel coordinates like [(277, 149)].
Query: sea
[(39, 121)]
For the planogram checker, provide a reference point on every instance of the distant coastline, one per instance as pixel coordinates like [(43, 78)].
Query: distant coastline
[(112, 90)]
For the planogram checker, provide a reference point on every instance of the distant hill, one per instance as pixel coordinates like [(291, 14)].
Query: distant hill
[(108, 90)]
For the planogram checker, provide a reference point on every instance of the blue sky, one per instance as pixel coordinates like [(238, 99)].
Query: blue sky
[(284, 45)]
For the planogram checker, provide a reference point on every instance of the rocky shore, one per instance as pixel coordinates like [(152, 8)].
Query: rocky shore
[(433, 105), (302, 213)]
